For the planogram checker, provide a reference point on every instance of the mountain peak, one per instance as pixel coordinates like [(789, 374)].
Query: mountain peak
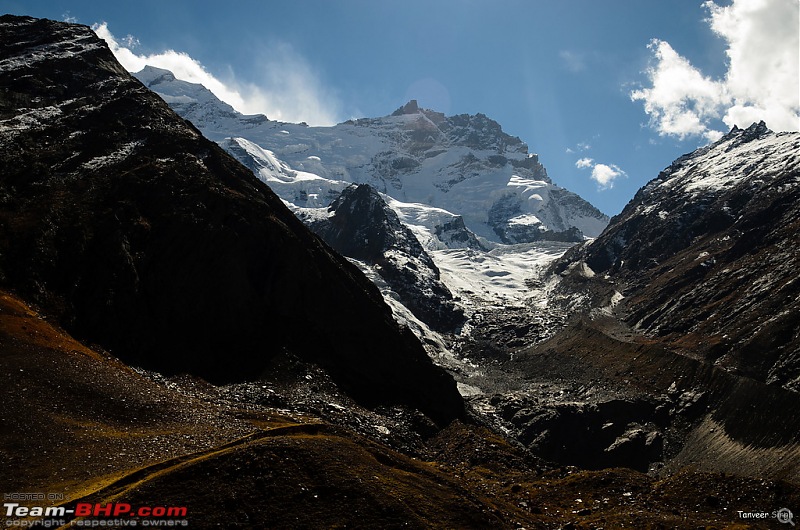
[(754, 131), (196, 102), (364, 227), (151, 75), (459, 155), (409, 108)]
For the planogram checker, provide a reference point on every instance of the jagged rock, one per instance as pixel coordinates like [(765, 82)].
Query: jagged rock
[(360, 225), (454, 234), (607, 433), (409, 108)]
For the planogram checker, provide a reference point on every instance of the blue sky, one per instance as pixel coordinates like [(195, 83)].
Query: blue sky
[(607, 93)]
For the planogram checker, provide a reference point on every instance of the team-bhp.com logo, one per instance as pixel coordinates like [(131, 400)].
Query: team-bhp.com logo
[(116, 514), (84, 509)]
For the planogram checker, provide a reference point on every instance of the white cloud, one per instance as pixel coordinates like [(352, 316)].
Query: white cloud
[(603, 174), (287, 88), (764, 54), (681, 101), (130, 41), (290, 89), (761, 82), (581, 146)]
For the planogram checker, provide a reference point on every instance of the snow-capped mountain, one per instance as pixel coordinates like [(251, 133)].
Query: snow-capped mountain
[(464, 164), (192, 101), (459, 184), (703, 191)]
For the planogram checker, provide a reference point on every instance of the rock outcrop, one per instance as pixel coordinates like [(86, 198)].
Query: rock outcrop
[(360, 225)]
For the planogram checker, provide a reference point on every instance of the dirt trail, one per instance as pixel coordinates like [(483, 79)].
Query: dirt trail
[(135, 479)]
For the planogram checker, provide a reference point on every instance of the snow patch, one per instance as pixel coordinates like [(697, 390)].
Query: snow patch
[(730, 161), (112, 158), (498, 276)]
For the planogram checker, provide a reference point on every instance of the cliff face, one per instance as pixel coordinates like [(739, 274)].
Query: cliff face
[(138, 234)]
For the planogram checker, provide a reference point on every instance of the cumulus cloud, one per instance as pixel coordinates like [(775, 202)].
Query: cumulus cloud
[(681, 101), (761, 82), (603, 174), (287, 88)]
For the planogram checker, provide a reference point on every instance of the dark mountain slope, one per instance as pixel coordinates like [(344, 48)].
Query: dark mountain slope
[(121, 220), (707, 255), (72, 415), (689, 303)]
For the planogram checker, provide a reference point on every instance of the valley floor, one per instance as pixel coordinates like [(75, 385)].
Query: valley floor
[(298, 453)]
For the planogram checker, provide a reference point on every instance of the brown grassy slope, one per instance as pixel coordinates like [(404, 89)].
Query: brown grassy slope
[(330, 479), (73, 417)]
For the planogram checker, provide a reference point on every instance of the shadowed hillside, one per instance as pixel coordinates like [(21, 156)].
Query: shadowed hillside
[(135, 232)]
